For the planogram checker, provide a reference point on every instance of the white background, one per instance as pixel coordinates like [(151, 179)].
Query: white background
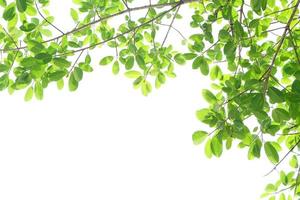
[(106, 141)]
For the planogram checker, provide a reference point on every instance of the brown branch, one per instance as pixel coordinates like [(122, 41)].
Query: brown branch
[(124, 33), (174, 29), (284, 189), (297, 182), (284, 157), (106, 18), (11, 38), (170, 26), (77, 59), (295, 47), (267, 73), (278, 11), (37, 8)]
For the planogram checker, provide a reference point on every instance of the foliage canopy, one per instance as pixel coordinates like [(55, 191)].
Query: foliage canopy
[(249, 49)]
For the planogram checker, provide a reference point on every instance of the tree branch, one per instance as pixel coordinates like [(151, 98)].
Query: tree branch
[(159, 5), (267, 73), (124, 33)]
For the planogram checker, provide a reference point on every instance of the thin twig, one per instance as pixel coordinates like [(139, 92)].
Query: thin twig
[(37, 8)]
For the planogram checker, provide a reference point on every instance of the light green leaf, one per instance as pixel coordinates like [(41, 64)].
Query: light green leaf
[(294, 162), (207, 149), (199, 136), (74, 15), (132, 74), (116, 68), (38, 91), (4, 81), (3, 3), (29, 94), (216, 146), (271, 152), (209, 96), (106, 60)]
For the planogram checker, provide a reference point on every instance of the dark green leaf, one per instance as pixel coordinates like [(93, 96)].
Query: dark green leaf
[(21, 5), (9, 12)]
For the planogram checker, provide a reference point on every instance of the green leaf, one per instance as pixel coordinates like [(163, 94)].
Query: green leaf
[(129, 63), (38, 91), (283, 178), (256, 5), (28, 27), (200, 62), (116, 68), (74, 15), (254, 149), (224, 35), (30, 62), (22, 81), (106, 60), (199, 136), (21, 5), (270, 188), (132, 74), (229, 49), (227, 11), (296, 86), (78, 74), (4, 81), (9, 12), (61, 62), (201, 114), (216, 73), (44, 57), (276, 96), (294, 162), (207, 149), (189, 56), (29, 94), (3, 3), (280, 115), (257, 101), (216, 146), (271, 152), (209, 96), (161, 77), (60, 84), (140, 61), (4, 68), (73, 84), (238, 29), (264, 4), (146, 88), (179, 59), (57, 75)]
